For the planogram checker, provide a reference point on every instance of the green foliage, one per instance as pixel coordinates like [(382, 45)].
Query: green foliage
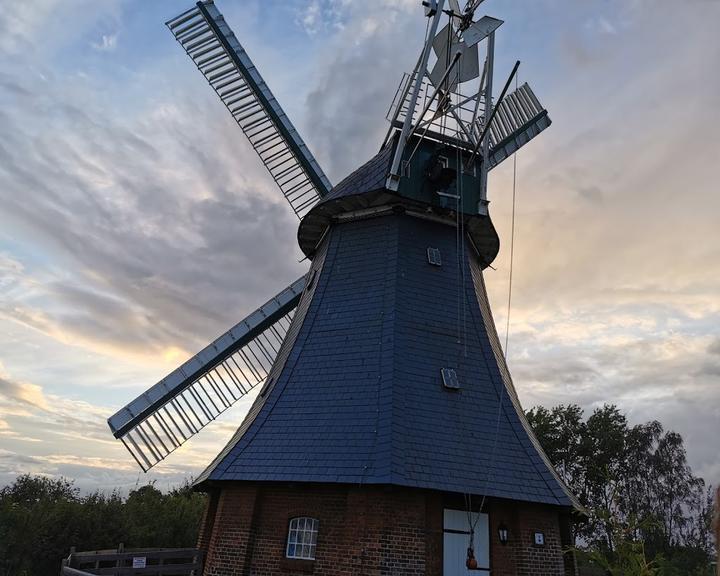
[(648, 513), (628, 558), (41, 518)]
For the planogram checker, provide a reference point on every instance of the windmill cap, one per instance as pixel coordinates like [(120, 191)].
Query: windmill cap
[(363, 194)]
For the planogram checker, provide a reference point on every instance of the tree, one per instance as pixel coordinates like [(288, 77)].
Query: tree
[(41, 518), (642, 497), (628, 558)]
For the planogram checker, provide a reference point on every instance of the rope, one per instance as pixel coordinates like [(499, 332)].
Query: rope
[(458, 241), (507, 335), (461, 321), (512, 251), (462, 242)]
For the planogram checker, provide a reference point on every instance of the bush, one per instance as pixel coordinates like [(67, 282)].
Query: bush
[(41, 518)]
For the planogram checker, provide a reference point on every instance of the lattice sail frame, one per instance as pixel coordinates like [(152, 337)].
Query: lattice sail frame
[(212, 46), (164, 417)]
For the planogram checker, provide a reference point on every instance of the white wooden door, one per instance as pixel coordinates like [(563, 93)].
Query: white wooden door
[(456, 538)]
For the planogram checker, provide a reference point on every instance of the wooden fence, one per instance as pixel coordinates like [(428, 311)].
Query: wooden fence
[(146, 562)]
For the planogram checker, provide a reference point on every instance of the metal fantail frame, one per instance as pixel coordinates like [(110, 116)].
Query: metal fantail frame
[(452, 101)]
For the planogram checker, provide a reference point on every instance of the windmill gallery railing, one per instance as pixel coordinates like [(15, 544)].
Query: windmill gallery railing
[(145, 562), (519, 118)]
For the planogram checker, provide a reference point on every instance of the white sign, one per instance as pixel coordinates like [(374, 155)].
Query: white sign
[(140, 562), (539, 539)]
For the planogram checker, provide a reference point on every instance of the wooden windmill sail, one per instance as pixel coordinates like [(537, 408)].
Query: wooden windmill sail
[(383, 359)]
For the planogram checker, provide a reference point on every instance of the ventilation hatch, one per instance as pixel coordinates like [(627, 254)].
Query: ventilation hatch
[(450, 379), (433, 256)]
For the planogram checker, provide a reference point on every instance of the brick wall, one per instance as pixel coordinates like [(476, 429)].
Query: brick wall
[(208, 520), (371, 531), (717, 527), (521, 556)]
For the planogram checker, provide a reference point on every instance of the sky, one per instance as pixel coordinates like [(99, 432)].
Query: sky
[(136, 224)]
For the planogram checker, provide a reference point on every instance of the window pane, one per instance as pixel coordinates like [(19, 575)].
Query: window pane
[(302, 538)]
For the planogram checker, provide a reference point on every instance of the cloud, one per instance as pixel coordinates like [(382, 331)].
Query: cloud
[(591, 193), (22, 27), (611, 142), (168, 244), (10, 270), (136, 225), (144, 241), (53, 414), (90, 474), (710, 364), (650, 371), (714, 347), (602, 25), (108, 43), (321, 15), (23, 393), (70, 437), (359, 74)]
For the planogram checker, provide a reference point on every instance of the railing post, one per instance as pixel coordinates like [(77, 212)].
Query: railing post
[(118, 562)]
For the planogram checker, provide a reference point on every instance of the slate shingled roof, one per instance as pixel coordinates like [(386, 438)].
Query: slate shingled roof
[(364, 188), (369, 177), (356, 395)]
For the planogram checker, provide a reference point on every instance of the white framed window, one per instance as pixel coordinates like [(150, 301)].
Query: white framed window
[(302, 538)]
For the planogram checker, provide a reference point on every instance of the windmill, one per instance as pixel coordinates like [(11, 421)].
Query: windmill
[(376, 366), (169, 413)]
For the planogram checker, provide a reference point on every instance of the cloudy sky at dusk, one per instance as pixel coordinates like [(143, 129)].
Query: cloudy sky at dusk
[(136, 223)]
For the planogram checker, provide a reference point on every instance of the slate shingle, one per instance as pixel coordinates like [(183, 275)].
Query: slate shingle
[(358, 396)]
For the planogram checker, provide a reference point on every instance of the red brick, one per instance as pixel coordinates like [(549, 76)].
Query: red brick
[(370, 530)]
